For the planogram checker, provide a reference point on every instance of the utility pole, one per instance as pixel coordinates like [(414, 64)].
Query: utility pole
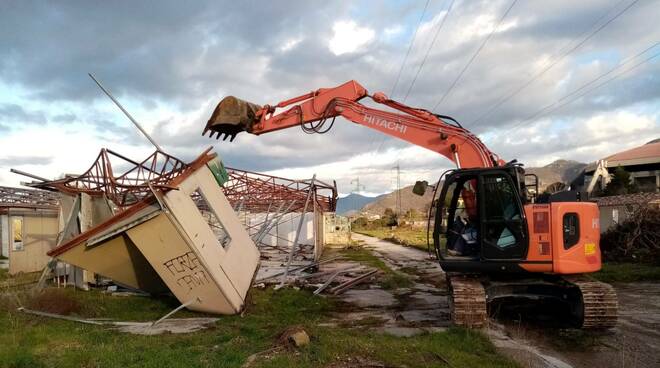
[(398, 189), (358, 187)]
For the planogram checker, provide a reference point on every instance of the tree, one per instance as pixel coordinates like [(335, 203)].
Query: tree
[(411, 214), (360, 223), (390, 218), (620, 183)]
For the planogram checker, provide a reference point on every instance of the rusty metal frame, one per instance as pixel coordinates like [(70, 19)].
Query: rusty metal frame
[(27, 198), (160, 170), (256, 192)]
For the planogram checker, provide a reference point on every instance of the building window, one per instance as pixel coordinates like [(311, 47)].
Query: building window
[(17, 231), (571, 229), (211, 217)]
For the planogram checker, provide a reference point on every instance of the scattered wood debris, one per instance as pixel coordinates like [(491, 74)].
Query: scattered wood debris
[(351, 283)]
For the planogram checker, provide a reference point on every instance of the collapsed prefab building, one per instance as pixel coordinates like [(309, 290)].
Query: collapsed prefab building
[(285, 217), (159, 225), (163, 225), (271, 207)]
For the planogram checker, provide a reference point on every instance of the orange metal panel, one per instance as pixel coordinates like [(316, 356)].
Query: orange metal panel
[(540, 236), (585, 255)]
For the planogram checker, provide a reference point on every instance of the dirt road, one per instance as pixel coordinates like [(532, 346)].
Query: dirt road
[(423, 307)]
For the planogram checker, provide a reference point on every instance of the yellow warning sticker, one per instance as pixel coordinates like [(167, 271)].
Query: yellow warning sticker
[(589, 249)]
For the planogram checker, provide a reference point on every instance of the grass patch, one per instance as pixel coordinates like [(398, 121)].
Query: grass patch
[(21, 279), (31, 341), (627, 272), (406, 236), (390, 279)]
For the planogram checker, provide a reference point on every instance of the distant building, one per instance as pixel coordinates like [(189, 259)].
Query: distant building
[(28, 228), (643, 164), (617, 209)]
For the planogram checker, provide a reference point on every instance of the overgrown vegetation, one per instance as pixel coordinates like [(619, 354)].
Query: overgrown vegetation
[(404, 235), (637, 239), (31, 341)]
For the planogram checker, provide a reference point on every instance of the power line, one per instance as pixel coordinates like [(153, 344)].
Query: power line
[(412, 41), (458, 77), (550, 66), (554, 106), (421, 65)]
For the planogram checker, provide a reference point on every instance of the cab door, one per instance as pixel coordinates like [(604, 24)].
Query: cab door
[(502, 220)]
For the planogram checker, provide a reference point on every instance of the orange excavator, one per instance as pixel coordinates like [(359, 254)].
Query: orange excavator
[(498, 243)]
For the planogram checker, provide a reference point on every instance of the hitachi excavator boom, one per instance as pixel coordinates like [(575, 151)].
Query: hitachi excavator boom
[(313, 110)]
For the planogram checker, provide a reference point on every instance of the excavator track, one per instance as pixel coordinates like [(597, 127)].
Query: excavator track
[(467, 301), (599, 304)]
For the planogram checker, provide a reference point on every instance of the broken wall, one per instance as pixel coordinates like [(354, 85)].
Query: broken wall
[(27, 235), (336, 229), (284, 233)]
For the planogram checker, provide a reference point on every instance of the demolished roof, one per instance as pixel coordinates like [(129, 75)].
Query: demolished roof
[(257, 192), (131, 185), (27, 198)]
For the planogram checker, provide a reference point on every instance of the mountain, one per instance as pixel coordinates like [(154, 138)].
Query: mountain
[(564, 171), (353, 202), (409, 200)]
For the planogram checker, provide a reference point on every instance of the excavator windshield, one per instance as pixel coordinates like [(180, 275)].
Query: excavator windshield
[(479, 216)]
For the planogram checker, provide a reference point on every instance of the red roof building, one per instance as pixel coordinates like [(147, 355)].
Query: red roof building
[(643, 164)]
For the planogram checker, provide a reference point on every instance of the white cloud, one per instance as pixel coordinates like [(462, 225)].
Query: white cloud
[(348, 37), (393, 31), (622, 122), (376, 169), (71, 150), (290, 44)]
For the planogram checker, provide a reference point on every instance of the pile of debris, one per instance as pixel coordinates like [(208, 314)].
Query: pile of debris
[(331, 275), (637, 239)]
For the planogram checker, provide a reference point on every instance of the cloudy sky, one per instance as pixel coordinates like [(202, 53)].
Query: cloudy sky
[(556, 79)]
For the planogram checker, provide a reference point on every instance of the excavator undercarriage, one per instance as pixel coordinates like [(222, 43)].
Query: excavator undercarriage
[(576, 301)]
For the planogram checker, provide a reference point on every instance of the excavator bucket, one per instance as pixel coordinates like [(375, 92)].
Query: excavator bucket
[(230, 117)]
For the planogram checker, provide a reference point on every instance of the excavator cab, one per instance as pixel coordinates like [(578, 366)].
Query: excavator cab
[(479, 222)]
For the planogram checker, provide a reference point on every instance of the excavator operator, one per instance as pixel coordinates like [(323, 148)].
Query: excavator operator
[(463, 234)]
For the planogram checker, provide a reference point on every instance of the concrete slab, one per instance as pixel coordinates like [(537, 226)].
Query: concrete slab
[(369, 298), (172, 325)]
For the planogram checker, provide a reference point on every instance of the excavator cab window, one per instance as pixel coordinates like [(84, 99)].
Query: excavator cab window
[(459, 217), (502, 223), (479, 216)]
